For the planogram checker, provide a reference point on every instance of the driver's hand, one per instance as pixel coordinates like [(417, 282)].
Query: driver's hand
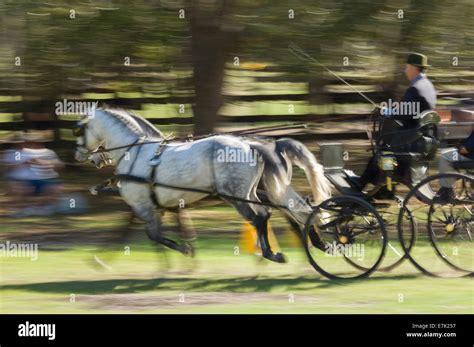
[(377, 111)]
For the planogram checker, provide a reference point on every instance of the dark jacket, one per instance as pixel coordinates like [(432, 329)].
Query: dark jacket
[(469, 145), (421, 92)]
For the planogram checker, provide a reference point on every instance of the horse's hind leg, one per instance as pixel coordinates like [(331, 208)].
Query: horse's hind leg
[(258, 216)]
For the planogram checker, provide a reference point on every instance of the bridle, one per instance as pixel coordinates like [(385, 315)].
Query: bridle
[(80, 130)]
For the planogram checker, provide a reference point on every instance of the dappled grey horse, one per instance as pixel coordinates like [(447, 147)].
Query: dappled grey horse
[(177, 174), (101, 159)]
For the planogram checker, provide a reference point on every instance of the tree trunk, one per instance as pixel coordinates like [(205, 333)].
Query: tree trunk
[(209, 48)]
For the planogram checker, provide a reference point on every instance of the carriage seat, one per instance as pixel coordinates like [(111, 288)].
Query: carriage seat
[(332, 159), (340, 180), (425, 136)]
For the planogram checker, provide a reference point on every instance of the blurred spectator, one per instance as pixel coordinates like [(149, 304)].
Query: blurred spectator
[(43, 163), (17, 171), (31, 170)]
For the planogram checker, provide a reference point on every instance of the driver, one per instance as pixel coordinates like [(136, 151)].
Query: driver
[(421, 93)]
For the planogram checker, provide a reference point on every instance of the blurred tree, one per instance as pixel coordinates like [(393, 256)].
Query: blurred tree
[(64, 56), (210, 46)]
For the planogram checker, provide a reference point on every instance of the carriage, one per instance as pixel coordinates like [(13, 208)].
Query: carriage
[(401, 201)]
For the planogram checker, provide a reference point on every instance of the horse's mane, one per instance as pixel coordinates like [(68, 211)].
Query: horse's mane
[(147, 127), (135, 123)]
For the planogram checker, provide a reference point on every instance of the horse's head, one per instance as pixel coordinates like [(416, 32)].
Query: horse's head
[(109, 125), (88, 138)]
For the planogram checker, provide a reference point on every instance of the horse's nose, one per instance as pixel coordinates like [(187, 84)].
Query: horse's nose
[(97, 163)]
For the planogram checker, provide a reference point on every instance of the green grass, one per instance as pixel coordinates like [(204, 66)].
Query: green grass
[(216, 281)]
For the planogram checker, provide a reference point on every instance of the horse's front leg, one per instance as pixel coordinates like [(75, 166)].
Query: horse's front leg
[(138, 197), (153, 230)]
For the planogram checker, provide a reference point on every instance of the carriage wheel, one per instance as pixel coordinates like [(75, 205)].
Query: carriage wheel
[(389, 211), (449, 228), (353, 235)]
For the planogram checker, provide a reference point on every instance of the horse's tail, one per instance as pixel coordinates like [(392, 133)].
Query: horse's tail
[(301, 156), (276, 182)]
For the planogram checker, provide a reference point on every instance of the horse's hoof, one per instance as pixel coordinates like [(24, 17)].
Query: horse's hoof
[(188, 250), (277, 257), (280, 258)]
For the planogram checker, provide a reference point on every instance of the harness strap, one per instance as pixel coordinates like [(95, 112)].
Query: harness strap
[(130, 170), (152, 192), (124, 153), (194, 190), (160, 141)]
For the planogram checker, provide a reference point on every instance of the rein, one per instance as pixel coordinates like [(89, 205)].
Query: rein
[(171, 138), (135, 143), (137, 179)]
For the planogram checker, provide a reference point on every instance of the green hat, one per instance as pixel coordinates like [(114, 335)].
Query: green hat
[(418, 59)]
